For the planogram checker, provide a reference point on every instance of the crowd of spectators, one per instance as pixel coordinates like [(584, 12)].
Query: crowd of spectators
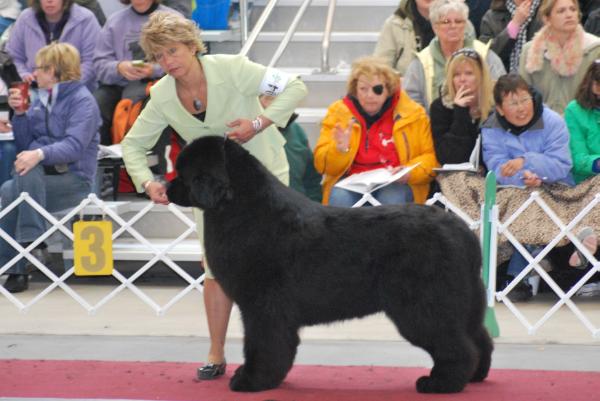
[(423, 98)]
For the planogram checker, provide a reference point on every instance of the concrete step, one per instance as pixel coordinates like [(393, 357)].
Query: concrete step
[(305, 54), (130, 249), (310, 120), (347, 16)]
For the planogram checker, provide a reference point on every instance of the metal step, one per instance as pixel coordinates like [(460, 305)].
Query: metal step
[(129, 249)]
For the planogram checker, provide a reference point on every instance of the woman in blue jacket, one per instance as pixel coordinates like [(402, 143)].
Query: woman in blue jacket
[(57, 147), (526, 144)]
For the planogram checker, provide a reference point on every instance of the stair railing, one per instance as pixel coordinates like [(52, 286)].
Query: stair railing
[(260, 23), (258, 27), (243, 20), (289, 33), (327, 38)]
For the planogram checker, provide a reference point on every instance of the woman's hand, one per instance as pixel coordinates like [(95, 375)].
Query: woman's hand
[(157, 192), (133, 73), (522, 12), (342, 136), (242, 130), (463, 97), (531, 179), (404, 179), (15, 101), (26, 161), (511, 167), (29, 78)]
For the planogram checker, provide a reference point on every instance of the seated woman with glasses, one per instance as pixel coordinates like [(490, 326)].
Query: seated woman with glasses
[(526, 144), (57, 146), (557, 58), (425, 74), (465, 102), (376, 125)]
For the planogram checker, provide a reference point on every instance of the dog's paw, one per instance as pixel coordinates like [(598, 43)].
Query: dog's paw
[(244, 382), (240, 381), (427, 384)]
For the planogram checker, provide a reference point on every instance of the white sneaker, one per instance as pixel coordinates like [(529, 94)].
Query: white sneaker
[(589, 290)]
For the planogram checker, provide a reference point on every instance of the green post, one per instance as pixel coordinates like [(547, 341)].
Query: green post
[(489, 200)]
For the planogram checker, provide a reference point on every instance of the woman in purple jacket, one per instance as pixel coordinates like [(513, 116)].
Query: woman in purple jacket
[(57, 147), (119, 60), (48, 21)]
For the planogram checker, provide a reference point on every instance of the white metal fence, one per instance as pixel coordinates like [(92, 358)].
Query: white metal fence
[(62, 223)]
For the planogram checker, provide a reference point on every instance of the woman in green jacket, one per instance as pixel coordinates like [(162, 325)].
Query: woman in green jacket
[(582, 116), (208, 95)]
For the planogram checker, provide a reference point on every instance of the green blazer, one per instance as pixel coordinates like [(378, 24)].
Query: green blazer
[(234, 84)]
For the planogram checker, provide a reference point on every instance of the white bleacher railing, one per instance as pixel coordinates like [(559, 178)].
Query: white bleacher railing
[(161, 254)]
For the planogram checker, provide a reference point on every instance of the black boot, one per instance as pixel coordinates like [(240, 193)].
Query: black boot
[(16, 283)]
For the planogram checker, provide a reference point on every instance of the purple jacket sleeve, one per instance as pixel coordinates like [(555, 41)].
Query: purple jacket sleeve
[(15, 46), (106, 59), (91, 30), (23, 137)]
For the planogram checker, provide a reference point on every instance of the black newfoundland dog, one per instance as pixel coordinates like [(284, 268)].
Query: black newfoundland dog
[(289, 262)]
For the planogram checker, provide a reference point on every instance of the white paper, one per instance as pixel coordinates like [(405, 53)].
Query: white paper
[(372, 180), (471, 165)]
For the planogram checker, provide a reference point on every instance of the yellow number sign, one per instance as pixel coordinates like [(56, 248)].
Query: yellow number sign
[(92, 248)]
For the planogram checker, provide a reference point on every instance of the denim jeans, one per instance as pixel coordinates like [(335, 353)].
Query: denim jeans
[(392, 194), (25, 224), (517, 262), (8, 154)]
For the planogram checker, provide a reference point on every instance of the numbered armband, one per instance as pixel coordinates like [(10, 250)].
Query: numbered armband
[(274, 82)]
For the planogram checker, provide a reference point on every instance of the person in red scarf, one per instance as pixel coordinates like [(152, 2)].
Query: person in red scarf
[(375, 125)]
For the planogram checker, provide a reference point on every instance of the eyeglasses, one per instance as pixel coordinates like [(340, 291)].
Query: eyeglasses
[(447, 22), (41, 67), (514, 104)]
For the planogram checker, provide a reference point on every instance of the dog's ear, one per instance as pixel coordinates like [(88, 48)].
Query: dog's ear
[(178, 193)]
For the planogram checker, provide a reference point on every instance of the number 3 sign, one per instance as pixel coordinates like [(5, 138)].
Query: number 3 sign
[(92, 248)]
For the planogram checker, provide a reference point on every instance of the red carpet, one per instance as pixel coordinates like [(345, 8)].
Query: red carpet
[(175, 381)]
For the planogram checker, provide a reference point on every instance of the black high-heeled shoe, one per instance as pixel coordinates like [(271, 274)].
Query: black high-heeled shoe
[(211, 371)]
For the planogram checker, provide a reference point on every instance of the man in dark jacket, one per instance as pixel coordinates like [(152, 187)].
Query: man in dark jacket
[(510, 30), (592, 25)]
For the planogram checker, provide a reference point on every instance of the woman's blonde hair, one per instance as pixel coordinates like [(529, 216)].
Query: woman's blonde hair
[(474, 59), (63, 58), (164, 28), (370, 67), (547, 6)]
